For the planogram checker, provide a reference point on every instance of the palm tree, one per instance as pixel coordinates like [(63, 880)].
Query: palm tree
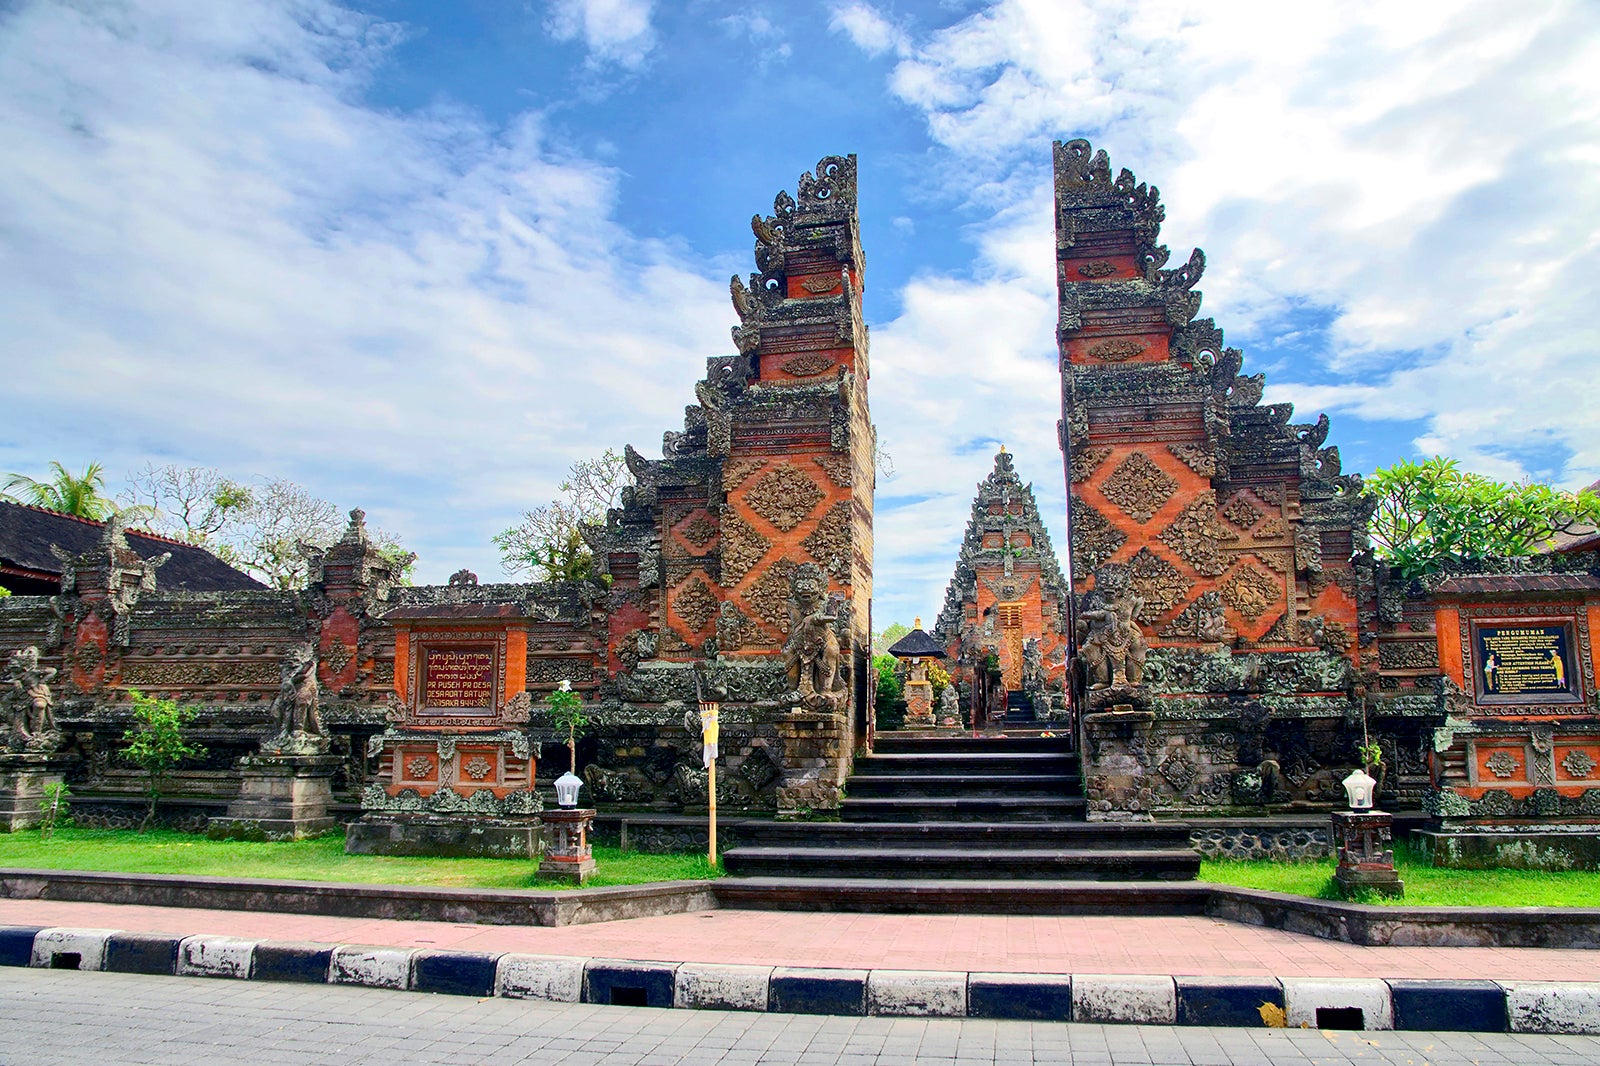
[(66, 492)]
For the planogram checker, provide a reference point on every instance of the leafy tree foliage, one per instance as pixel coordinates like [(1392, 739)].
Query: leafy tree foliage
[(891, 703), (157, 743), (886, 637), (548, 543), (82, 494), (1433, 510), (566, 712)]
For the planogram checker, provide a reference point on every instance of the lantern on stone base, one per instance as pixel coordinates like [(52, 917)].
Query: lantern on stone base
[(1363, 842)]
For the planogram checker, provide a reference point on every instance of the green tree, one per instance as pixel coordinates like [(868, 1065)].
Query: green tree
[(192, 503), (548, 543), (1433, 510), (566, 712), (75, 494), (891, 704), (887, 636), (157, 744)]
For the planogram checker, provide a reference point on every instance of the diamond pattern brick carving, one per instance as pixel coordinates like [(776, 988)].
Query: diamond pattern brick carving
[(1086, 460), (698, 530), (1502, 764), (768, 598), (829, 543), (1196, 535), (1196, 457), (734, 471), (1578, 763), (1139, 487), (1158, 582), (1094, 540), (1251, 592), (784, 497), (695, 604), (742, 547), (1178, 768), (838, 468), (1272, 529), (1240, 511)]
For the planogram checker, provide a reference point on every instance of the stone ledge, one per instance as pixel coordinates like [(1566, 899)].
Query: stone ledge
[(1246, 1002)]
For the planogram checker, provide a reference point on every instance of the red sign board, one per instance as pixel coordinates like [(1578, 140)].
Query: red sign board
[(458, 677)]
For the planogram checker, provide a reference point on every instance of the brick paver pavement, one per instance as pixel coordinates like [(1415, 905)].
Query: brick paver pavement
[(1009, 943), (50, 1017)]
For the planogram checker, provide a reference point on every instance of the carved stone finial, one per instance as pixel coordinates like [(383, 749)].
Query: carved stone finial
[(463, 577)]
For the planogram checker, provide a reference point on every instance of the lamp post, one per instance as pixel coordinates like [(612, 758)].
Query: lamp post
[(1363, 841)]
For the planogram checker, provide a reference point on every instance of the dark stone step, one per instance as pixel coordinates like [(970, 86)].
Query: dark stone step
[(961, 808), (984, 762), (1004, 864), (975, 785), (934, 834), (892, 743), (956, 896)]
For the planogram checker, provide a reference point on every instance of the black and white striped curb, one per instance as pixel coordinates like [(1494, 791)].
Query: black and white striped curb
[(1318, 1002)]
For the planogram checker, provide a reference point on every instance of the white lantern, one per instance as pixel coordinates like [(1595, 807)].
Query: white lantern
[(567, 786), (1358, 787)]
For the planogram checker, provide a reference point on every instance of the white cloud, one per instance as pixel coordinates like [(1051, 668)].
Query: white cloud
[(868, 29), (1423, 174), (214, 254), (614, 31)]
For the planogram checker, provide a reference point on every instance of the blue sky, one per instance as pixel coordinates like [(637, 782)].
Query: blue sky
[(419, 257)]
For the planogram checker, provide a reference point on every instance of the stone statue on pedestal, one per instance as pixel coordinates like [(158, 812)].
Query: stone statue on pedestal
[(295, 726), (1111, 647), (28, 703), (811, 654)]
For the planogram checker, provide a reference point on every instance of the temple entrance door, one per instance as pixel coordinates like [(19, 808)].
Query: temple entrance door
[(1010, 619)]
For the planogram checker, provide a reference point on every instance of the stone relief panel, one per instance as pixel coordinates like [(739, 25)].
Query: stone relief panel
[(1139, 487), (1196, 457), (785, 497), (1094, 540), (735, 471), (1086, 460), (1196, 536), (768, 598), (1240, 511), (829, 543), (695, 604), (1250, 591), (742, 547), (698, 530), (837, 468), (1115, 351), (1158, 582)]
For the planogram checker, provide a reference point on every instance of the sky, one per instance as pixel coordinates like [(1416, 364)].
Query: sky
[(420, 257)]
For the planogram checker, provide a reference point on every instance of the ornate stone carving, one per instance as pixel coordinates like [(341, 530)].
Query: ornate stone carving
[(1197, 457), (1139, 487), (1308, 549), (1097, 268), (1086, 460), (1502, 764), (28, 702), (1408, 655), (734, 628), (1196, 535), (477, 767), (820, 284), (1578, 763), (294, 725), (1272, 529), (695, 604), (460, 577), (1111, 648), (1251, 592), (1179, 769), (1115, 351), (742, 547), (1201, 621), (735, 471), (699, 530), (807, 366), (784, 496), (1240, 511), (837, 467), (768, 597), (1157, 582), (1094, 540), (419, 766), (829, 543), (811, 654)]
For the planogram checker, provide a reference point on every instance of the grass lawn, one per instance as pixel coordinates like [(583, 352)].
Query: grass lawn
[(323, 859), (1426, 886)]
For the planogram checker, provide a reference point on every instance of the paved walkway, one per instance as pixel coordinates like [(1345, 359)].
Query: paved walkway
[(1004, 943), (50, 1017)]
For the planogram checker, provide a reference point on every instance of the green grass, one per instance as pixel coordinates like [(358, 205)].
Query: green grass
[(1426, 885), (323, 859)]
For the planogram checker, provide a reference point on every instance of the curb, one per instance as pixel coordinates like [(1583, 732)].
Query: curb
[(1137, 999)]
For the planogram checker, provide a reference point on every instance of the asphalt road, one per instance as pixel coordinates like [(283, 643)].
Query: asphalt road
[(58, 1016)]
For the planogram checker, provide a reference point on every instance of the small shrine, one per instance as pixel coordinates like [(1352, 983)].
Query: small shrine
[(915, 649), (454, 771)]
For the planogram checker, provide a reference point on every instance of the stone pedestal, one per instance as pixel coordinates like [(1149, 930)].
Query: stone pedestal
[(281, 797), (1116, 779), (816, 760), (919, 705), (567, 854), (1362, 840), (445, 836), (23, 779)]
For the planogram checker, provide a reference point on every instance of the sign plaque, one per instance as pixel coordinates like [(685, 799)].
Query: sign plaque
[(1526, 662), (458, 678)]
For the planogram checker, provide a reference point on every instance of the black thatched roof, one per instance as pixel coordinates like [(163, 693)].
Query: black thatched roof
[(27, 567), (916, 645)]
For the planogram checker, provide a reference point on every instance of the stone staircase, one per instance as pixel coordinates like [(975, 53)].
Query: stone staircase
[(959, 807)]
